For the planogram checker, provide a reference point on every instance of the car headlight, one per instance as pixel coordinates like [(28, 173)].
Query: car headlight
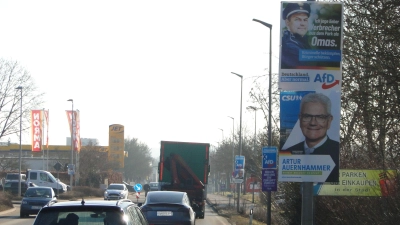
[(24, 202)]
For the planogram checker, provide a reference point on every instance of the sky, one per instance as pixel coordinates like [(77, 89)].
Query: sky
[(160, 68)]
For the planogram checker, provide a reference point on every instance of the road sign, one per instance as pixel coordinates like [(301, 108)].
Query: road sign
[(57, 166), (138, 187)]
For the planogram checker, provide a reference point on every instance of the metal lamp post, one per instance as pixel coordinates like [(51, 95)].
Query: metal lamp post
[(233, 143), (222, 133), (20, 142), (240, 132), (72, 142), (269, 109), (255, 137)]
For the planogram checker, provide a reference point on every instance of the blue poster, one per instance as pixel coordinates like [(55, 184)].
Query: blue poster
[(239, 162), (269, 157), (269, 180)]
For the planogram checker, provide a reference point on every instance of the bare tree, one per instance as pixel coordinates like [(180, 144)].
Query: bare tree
[(13, 75)]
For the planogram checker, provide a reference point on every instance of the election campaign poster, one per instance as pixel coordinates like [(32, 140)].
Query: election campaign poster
[(311, 45)]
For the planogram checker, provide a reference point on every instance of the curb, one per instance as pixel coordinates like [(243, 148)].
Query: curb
[(7, 211)]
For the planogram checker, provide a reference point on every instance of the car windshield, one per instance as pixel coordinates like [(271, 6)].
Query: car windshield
[(86, 216), (116, 187), (12, 177), (38, 192)]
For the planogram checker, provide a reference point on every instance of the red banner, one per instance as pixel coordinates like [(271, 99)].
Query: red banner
[(76, 137), (36, 120)]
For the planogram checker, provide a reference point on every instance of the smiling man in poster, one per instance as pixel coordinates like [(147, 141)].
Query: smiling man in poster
[(309, 153)]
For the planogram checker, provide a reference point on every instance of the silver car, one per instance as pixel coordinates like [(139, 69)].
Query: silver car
[(116, 192)]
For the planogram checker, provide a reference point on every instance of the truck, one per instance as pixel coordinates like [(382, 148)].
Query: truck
[(185, 167)]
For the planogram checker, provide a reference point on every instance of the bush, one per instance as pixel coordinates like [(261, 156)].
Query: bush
[(5, 201), (79, 192)]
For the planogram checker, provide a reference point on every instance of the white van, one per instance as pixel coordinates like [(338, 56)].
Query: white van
[(46, 179)]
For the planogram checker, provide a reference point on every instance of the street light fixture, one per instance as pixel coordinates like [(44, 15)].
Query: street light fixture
[(255, 124), (20, 142), (240, 132), (269, 110), (222, 133), (72, 142)]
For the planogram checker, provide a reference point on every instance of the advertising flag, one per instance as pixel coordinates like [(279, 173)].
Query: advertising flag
[(36, 126), (74, 128), (46, 117)]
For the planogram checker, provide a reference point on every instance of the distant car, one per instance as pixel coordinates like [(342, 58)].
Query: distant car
[(12, 187), (116, 191), (153, 186), (35, 198), (122, 212), (168, 207)]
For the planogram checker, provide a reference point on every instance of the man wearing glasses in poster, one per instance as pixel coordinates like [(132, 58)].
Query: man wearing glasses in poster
[(315, 119)]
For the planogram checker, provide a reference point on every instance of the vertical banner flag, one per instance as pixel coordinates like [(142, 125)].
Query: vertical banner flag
[(75, 128), (310, 76), (36, 125), (46, 117)]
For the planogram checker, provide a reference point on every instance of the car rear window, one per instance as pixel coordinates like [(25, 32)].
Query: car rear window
[(12, 177), (163, 197), (86, 216)]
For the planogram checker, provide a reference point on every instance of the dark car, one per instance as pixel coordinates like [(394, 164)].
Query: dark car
[(168, 207), (153, 186), (122, 212), (35, 198), (12, 187)]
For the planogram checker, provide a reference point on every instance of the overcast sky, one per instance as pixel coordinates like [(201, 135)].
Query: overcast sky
[(160, 68)]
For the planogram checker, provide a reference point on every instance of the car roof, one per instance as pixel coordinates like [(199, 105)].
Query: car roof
[(40, 187), (93, 203)]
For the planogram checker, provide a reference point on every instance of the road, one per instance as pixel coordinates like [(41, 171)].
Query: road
[(11, 217)]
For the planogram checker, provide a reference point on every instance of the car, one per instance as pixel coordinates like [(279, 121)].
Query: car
[(91, 212), (12, 187), (116, 191), (153, 186), (168, 207), (35, 198)]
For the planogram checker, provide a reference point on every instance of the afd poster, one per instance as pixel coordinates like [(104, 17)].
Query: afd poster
[(309, 140), (311, 45)]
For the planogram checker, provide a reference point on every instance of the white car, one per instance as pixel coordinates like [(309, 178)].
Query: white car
[(116, 192)]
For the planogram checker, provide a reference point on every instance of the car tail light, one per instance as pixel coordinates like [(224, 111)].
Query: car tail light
[(184, 210)]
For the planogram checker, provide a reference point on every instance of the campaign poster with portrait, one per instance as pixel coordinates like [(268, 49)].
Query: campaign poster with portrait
[(311, 127), (311, 43)]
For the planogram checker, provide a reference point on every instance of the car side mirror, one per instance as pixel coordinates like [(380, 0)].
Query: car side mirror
[(140, 204)]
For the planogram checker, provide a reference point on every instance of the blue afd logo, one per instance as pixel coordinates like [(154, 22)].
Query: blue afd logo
[(138, 187)]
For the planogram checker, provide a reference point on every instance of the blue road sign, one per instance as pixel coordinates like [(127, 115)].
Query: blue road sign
[(138, 187), (269, 157)]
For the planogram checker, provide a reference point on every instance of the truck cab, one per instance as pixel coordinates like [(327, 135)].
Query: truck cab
[(46, 179)]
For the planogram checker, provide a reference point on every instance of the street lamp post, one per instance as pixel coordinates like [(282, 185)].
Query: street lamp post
[(269, 110), (240, 132), (72, 140), (255, 124), (222, 133), (233, 143), (20, 142), (255, 136)]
